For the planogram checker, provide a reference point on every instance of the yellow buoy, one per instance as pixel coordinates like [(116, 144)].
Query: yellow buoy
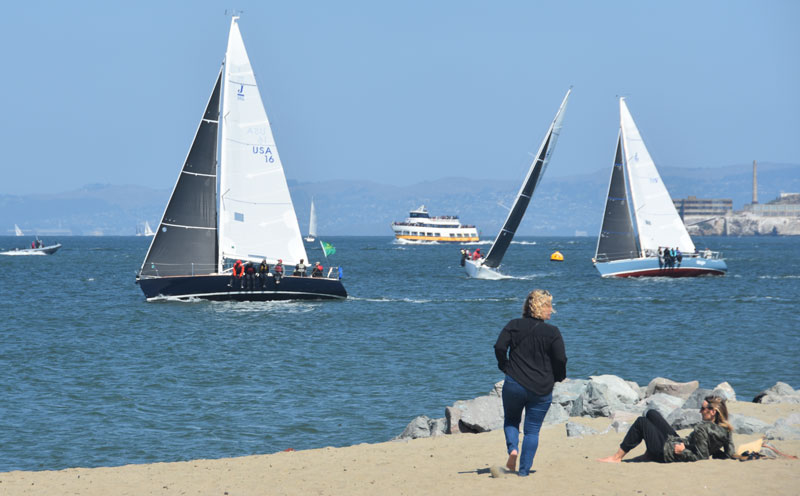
[(557, 257)]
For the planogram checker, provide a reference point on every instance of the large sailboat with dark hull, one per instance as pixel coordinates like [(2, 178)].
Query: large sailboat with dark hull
[(487, 268), (640, 220), (240, 210)]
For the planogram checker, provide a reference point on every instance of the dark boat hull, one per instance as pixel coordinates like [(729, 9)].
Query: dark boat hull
[(215, 287)]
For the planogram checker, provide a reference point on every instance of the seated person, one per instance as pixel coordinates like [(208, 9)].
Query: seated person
[(711, 437), (317, 271), (300, 269)]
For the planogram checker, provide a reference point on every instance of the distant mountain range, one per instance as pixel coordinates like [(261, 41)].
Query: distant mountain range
[(561, 206)]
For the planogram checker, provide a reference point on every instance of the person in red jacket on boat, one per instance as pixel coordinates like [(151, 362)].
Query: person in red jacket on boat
[(236, 274), (477, 254)]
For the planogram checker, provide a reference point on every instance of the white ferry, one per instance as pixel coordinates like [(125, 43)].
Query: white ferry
[(419, 226)]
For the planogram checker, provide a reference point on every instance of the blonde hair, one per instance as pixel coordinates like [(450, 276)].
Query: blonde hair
[(536, 302), (720, 411)]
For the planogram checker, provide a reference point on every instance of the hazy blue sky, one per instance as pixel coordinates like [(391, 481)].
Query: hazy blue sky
[(396, 92)]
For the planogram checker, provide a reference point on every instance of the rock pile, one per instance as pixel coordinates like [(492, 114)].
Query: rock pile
[(619, 400)]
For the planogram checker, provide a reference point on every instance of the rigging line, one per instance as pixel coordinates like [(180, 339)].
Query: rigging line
[(188, 227)]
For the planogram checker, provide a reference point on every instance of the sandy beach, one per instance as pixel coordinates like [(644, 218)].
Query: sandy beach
[(459, 464)]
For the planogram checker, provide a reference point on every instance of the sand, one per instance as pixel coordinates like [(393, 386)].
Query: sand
[(456, 464)]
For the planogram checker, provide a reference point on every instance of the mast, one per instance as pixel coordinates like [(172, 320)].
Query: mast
[(535, 172)]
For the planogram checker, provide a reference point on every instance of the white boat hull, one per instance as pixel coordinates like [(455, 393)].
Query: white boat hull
[(477, 270), (45, 250)]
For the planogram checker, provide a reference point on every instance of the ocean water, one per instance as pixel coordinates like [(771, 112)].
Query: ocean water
[(95, 376)]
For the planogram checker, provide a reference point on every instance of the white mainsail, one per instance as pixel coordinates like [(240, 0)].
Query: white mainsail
[(657, 222), (312, 222), (17, 230), (148, 231), (256, 215)]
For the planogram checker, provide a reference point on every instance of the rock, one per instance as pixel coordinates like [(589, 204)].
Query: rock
[(684, 418), (665, 404), (423, 426), (785, 429), (452, 415), (619, 426), (620, 391), (557, 414), (725, 391), (483, 414), (779, 393), (497, 390), (680, 389), (579, 430), (747, 425), (638, 389), (593, 402), (695, 400), (567, 391)]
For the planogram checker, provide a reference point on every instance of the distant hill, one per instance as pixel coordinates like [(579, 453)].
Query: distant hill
[(561, 205)]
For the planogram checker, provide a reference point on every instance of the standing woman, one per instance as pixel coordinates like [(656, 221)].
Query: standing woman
[(531, 355)]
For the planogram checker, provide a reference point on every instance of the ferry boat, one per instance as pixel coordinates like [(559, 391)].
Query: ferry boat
[(420, 226)]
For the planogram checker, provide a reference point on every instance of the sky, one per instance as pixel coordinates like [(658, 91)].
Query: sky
[(396, 92)]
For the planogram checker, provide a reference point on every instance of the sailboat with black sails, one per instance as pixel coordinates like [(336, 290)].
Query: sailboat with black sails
[(487, 268), (247, 216)]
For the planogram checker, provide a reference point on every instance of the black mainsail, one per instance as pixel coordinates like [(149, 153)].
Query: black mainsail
[(186, 240), (506, 234), (535, 172), (617, 240)]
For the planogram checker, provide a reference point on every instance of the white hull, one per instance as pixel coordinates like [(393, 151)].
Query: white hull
[(45, 250), (310, 239), (477, 270)]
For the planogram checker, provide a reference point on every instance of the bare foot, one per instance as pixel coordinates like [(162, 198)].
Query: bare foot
[(615, 458), (511, 464)]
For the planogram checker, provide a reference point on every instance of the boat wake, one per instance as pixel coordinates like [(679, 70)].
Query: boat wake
[(531, 243)]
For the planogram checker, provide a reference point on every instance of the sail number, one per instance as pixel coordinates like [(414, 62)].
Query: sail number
[(269, 157)]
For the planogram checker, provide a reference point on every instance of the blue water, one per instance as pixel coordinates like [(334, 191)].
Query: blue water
[(95, 376)]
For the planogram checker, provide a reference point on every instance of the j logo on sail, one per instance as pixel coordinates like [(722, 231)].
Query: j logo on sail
[(240, 92)]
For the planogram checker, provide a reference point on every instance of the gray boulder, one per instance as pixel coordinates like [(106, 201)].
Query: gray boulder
[(747, 425), (557, 414), (683, 418), (594, 402), (423, 426), (680, 389), (724, 390), (483, 414), (665, 404), (695, 400), (779, 393), (567, 391), (579, 430), (619, 391), (783, 433), (640, 391)]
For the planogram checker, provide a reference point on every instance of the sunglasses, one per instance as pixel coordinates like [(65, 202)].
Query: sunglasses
[(706, 408)]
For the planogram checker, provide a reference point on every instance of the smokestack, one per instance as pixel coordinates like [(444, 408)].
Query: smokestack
[(755, 183)]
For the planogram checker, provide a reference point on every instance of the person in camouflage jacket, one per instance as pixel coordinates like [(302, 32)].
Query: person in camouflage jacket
[(711, 437)]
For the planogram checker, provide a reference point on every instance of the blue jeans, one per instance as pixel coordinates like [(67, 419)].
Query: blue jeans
[(516, 399)]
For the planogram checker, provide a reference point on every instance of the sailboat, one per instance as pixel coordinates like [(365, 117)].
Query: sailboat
[(241, 212), (146, 231), (629, 246), (312, 224), (17, 230), (487, 268)]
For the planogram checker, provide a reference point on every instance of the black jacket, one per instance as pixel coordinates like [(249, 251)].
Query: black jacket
[(532, 352)]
